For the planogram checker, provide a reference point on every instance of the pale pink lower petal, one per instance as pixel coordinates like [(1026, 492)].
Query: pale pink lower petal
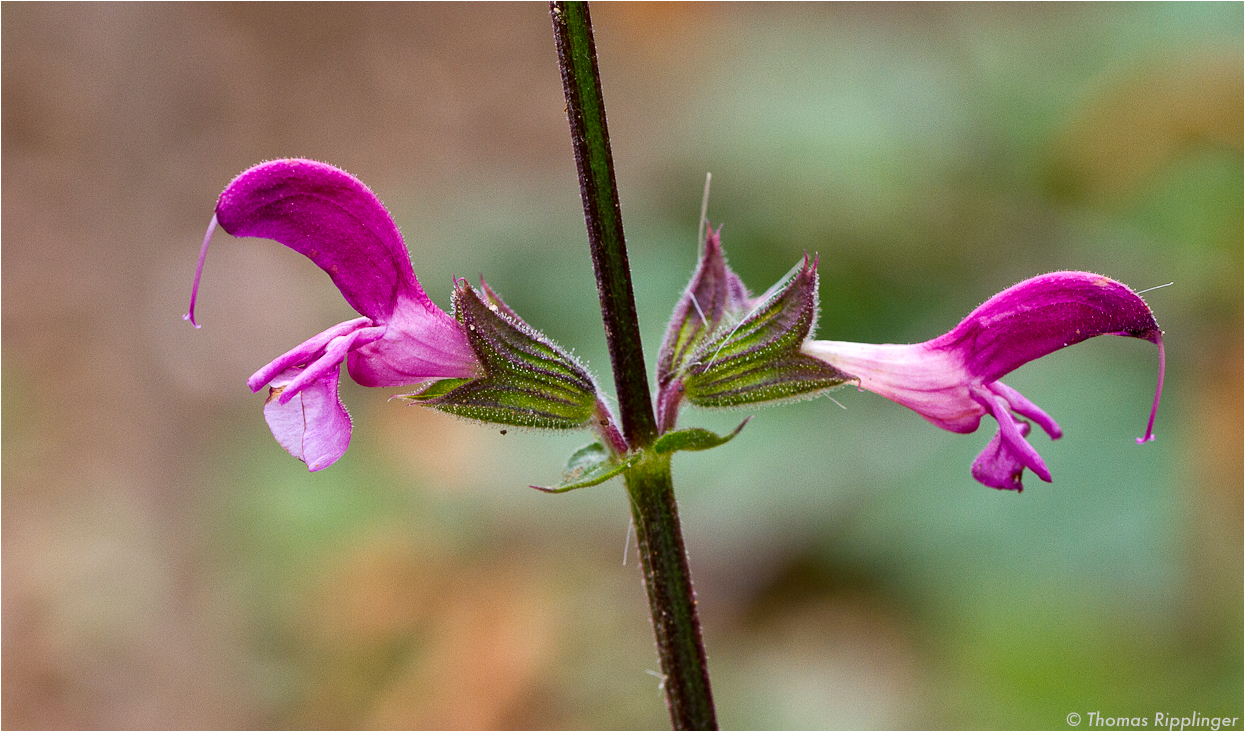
[(285, 420), (313, 426)]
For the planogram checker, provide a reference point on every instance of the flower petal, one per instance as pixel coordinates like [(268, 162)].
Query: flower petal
[(952, 380), (1022, 406), (1012, 434), (1042, 315), (931, 382), (420, 342), (998, 466), (303, 353), (330, 217), (313, 426), (330, 361)]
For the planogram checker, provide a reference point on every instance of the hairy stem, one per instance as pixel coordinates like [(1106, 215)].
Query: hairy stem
[(685, 673), (585, 110), (666, 575)]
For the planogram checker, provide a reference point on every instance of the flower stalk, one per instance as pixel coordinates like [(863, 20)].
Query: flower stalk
[(649, 485)]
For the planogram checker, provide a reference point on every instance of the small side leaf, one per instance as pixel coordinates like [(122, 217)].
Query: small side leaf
[(590, 465), (694, 438)]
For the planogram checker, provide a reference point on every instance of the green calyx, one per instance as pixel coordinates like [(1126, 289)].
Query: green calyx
[(528, 381), (759, 360)]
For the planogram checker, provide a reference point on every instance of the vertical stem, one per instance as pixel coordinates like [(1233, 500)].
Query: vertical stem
[(666, 575), (671, 599), (585, 110)]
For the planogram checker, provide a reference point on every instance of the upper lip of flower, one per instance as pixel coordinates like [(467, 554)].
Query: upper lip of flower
[(333, 219), (953, 380)]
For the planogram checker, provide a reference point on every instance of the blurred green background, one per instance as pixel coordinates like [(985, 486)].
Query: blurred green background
[(166, 564)]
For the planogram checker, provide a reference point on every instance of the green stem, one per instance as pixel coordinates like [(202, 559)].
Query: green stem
[(671, 599), (585, 110), (649, 485)]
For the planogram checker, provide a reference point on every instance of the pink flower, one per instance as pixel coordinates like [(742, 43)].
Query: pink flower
[(953, 380), (334, 220)]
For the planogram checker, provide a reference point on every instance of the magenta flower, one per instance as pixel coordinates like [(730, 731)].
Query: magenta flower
[(953, 380), (334, 220)]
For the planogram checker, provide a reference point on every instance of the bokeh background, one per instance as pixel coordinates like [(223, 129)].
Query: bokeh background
[(166, 564)]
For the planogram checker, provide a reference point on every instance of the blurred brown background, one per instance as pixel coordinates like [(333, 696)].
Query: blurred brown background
[(166, 564)]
